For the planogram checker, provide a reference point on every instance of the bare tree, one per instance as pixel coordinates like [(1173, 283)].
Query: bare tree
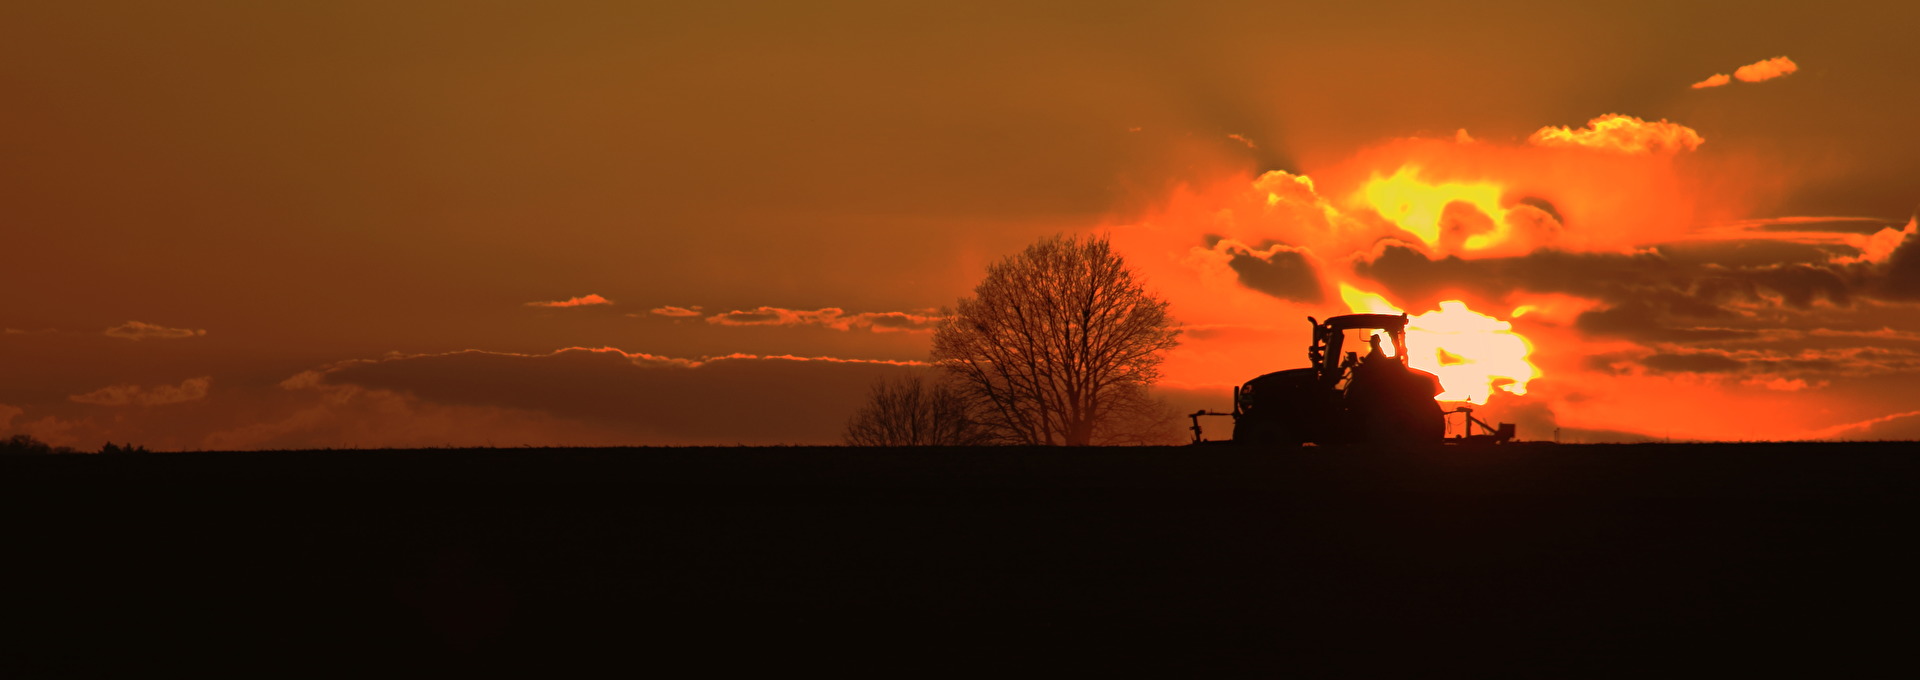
[(911, 411), (1058, 346)]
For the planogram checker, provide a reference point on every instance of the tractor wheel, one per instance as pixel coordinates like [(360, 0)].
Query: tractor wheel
[(1409, 423)]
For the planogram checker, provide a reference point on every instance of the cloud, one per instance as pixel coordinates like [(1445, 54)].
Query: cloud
[(1714, 80), (1880, 246), (581, 301), (1621, 134), (192, 389), (1693, 362), (1279, 270), (831, 317), (7, 414), (137, 330), (572, 396), (1243, 140), (1765, 69), (676, 312), (1901, 271), (1892, 427), (1774, 365)]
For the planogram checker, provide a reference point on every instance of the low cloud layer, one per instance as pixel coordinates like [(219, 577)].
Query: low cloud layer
[(139, 330), (580, 301), (831, 317), (192, 389), (577, 395)]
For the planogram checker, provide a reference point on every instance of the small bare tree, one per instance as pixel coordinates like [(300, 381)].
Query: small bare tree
[(1058, 346), (912, 411)]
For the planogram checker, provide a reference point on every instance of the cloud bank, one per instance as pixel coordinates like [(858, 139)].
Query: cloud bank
[(831, 317), (572, 396), (138, 330), (192, 389)]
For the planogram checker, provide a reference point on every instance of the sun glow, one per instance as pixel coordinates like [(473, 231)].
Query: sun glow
[(1472, 353), (1449, 216)]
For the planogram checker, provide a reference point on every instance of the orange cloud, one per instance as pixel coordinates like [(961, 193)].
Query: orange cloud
[(1892, 427), (830, 317), (1621, 134), (1766, 69), (1714, 80), (136, 330), (582, 301), (676, 312), (193, 389), (1243, 140)]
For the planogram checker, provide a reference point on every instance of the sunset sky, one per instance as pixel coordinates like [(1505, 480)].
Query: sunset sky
[(247, 225)]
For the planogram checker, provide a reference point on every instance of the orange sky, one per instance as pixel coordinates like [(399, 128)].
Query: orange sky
[(245, 225)]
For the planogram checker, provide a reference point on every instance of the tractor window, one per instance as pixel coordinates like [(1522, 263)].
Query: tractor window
[(1356, 341)]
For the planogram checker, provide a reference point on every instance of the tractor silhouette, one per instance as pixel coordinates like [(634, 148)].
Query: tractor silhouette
[(1344, 397)]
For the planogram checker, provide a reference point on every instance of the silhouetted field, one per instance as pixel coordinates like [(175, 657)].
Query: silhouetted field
[(1197, 561)]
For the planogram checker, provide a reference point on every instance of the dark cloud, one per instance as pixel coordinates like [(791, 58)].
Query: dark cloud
[(1901, 279), (1677, 295), (1763, 363), (1801, 285), (1410, 274), (1701, 362), (1755, 252), (1276, 270)]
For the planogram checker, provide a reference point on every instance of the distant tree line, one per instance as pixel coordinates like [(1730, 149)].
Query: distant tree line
[(24, 445), (1059, 345)]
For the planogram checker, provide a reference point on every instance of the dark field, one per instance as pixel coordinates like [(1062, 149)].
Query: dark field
[(1532, 559)]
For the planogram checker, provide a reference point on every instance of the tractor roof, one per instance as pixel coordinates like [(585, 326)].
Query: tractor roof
[(1387, 322)]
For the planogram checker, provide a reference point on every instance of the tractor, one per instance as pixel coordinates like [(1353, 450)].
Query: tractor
[(1343, 397)]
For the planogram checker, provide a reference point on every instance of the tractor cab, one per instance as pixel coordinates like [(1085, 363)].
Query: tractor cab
[(1344, 344)]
